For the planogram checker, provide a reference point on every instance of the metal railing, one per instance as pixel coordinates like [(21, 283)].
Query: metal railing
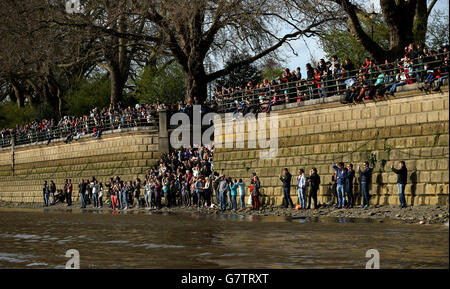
[(94, 126), (258, 98), (329, 85)]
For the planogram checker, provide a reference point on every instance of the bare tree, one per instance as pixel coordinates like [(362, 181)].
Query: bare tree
[(407, 21), (198, 31), (31, 51)]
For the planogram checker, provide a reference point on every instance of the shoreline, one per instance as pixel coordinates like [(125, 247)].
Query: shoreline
[(411, 215)]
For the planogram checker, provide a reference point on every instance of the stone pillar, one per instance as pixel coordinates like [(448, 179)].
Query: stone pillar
[(163, 133)]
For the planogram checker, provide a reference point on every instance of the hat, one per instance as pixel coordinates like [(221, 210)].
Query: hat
[(253, 174)]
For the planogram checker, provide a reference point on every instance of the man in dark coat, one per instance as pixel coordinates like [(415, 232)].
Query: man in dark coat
[(402, 177), (286, 180)]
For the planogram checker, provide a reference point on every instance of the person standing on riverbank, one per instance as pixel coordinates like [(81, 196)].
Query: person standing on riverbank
[(158, 190), (166, 190), (233, 189), (137, 193), (349, 185), (52, 192), (256, 184), (68, 190), (402, 178), (81, 191), (341, 181), (95, 190), (216, 187), (185, 192), (46, 194), (123, 189), (301, 185), (286, 180), (199, 184), (223, 188), (365, 180), (314, 182), (148, 194), (113, 194), (85, 186), (241, 189), (208, 191), (101, 192)]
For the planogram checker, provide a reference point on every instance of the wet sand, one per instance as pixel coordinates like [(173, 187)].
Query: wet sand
[(411, 215)]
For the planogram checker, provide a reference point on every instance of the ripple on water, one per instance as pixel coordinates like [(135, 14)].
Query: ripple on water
[(154, 246), (61, 242), (116, 242), (26, 237), (14, 258), (36, 264)]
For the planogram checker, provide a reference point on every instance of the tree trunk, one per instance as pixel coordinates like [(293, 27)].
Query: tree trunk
[(400, 20), (196, 86), (18, 93), (407, 22), (420, 25), (117, 85)]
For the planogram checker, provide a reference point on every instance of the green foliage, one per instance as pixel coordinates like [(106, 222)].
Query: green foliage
[(240, 76), (339, 41), (372, 159), (87, 94), (11, 115), (272, 73), (164, 84)]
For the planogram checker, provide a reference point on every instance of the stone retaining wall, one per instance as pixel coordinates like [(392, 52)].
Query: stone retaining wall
[(414, 129), (126, 154)]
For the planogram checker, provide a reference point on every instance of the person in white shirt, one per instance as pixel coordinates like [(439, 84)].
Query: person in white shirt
[(401, 81), (149, 186), (195, 171), (301, 185), (95, 189), (241, 189)]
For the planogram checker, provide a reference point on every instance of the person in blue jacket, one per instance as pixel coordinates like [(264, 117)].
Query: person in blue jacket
[(341, 183)]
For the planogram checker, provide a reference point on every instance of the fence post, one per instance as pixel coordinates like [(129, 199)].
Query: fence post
[(13, 143), (163, 133)]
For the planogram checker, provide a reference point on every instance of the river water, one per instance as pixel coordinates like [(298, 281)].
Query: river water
[(39, 239)]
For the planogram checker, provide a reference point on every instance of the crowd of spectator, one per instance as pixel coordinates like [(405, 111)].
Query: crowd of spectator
[(419, 65), (181, 178), (328, 78), (72, 128), (186, 178)]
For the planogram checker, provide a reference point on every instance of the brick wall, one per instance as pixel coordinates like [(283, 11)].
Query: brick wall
[(414, 129), (127, 154)]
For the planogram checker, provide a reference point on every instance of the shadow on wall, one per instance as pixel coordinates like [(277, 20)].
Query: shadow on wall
[(413, 179), (381, 186)]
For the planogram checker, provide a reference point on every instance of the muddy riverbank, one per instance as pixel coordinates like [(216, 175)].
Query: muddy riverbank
[(412, 215)]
